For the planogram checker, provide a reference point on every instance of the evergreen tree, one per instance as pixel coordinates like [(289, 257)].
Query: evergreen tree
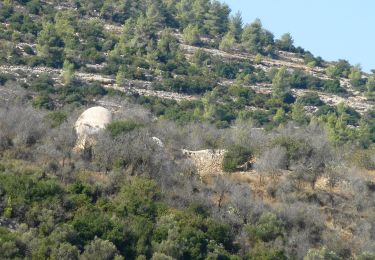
[(65, 28), (184, 13), (143, 34), (167, 47), (200, 8), (120, 76), (364, 134), (216, 20), (280, 116), (355, 73), (155, 16), (68, 72), (228, 42), (50, 46), (285, 43), (298, 114), (191, 35), (280, 84), (255, 39), (235, 26)]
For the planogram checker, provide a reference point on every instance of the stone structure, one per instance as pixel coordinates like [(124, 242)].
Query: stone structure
[(208, 162)]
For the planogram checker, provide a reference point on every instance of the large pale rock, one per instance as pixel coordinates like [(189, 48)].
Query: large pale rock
[(90, 123)]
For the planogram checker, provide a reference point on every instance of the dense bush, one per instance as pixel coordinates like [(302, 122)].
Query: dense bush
[(119, 127), (190, 85), (311, 99), (333, 86), (235, 157)]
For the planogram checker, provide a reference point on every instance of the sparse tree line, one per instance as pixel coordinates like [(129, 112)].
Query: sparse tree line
[(66, 36)]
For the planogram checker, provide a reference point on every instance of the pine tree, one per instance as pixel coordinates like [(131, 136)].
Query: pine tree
[(120, 77), (65, 28), (255, 39), (298, 114), (184, 13), (143, 34), (216, 20), (50, 46), (68, 72), (280, 116), (200, 9), (191, 35), (286, 42), (364, 134), (355, 73), (228, 42), (155, 17), (235, 26), (280, 84)]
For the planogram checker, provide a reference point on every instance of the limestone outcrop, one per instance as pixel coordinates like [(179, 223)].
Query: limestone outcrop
[(90, 123)]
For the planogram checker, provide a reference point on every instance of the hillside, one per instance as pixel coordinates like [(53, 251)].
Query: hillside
[(212, 139)]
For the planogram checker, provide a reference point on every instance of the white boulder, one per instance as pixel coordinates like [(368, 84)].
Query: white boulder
[(90, 123)]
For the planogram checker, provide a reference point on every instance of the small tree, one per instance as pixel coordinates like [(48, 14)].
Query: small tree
[(255, 39), (228, 42), (272, 162), (235, 26), (258, 58), (280, 84), (65, 251), (120, 76), (286, 42), (235, 156), (355, 72), (101, 249), (298, 114), (267, 228), (280, 117), (68, 72), (191, 35)]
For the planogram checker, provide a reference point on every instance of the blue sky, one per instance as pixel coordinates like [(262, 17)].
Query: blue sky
[(332, 29)]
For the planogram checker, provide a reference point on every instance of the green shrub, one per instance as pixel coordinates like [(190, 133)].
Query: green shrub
[(293, 146), (56, 118), (235, 156), (333, 86), (311, 99), (8, 209), (43, 83), (364, 159), (191, 35), (118, 127), (42, 101), (359, 84), (267, 228), (266, 252), (4, 78)]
